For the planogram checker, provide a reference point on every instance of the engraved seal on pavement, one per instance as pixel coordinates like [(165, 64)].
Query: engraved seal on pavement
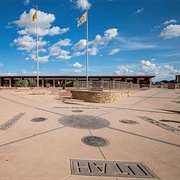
[(84, 122)]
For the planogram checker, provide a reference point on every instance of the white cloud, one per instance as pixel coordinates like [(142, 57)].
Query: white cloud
[(77, 71), (44, 24), (140, 10), (44, 19), (80, 45), (171, 31), (65, 42), (174, 72), (27, 59), (145, 67), (1, 65), (169, 22), (8, 26), (9, 74), (77, 65), (172, 21), (43, 59), (122, 70), (135, 43), (35, 72), (64, 55), (43, 32), (168, 67), (26, 2), (27, 43), (171, 69), (41, 50), (24, 71), (27, 28), (55, 50), (78, 53), (148, 68), (108, 35), (81, 4), (93, 51), (114, 51), (161, 72)]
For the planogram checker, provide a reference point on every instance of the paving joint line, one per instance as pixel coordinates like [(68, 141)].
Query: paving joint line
[(98, 148), (31, 136), (142, 136)]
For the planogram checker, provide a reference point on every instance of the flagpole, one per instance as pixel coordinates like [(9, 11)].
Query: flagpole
[(37, 59), (87, 50)]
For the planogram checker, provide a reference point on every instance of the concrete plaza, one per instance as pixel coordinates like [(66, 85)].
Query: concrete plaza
[(45, 150)]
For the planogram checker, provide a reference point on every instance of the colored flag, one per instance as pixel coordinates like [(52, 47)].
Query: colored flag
[(34, 16), (82, 19)]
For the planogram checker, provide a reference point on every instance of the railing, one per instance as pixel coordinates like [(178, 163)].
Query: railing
[(106, 85)]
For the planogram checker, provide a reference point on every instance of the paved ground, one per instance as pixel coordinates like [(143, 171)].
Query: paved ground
[(49, 150)]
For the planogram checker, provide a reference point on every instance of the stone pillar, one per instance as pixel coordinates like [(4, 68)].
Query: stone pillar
[(102, 82), (42, 81), (53, 81), (150, 82), (137, 80), (113, 83), (90, 82), (10, 82), (125, 79)]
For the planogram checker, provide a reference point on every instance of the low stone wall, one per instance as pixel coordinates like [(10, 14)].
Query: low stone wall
[(173, 85), (101, 97)]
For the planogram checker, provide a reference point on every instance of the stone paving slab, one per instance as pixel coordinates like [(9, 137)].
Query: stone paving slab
[(43, 150)]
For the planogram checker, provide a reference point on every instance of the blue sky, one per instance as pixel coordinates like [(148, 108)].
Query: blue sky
[(126, 37)]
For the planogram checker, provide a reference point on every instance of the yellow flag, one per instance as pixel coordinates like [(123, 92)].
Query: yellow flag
[(34, 16)]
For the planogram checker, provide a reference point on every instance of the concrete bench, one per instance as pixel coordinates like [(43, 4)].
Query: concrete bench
[(55, 90), (22, 89), (38, 91), (65, 93)]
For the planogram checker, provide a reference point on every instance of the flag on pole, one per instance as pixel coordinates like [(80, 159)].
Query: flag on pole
[(34, 16), (82, 19)]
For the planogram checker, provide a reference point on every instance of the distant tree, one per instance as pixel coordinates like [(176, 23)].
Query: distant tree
[(164, 81), (32, 83), (68, 84), (172, 81), (21, 83), (75, 82)]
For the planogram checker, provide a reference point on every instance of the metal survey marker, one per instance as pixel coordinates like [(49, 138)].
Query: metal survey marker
[(95, 141), (38, 119)]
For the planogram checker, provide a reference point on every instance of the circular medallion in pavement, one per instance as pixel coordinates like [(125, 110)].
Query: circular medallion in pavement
[(129, 122), (84, 122), (95, 141), (38, 119)]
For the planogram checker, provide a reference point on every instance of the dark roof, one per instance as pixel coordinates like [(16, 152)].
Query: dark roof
[(74, 76)]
